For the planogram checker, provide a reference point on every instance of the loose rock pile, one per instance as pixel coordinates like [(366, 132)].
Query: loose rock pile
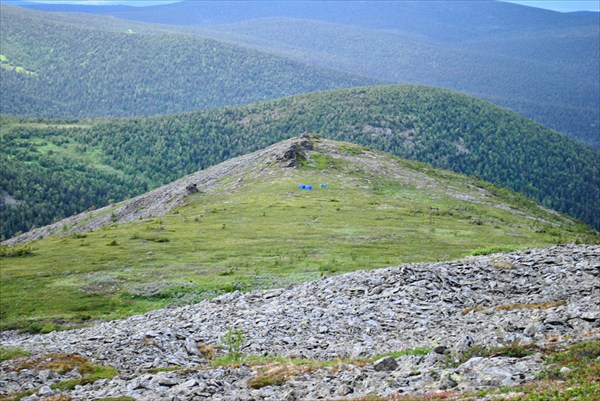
[(535, 296)]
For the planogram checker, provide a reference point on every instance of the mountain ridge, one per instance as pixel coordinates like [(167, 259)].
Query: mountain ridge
[(158, 202), (519, 73), (444, 128), (514, 64), (456, 13)]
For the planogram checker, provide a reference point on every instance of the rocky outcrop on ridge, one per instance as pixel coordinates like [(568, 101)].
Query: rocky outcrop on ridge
[(536, 296)]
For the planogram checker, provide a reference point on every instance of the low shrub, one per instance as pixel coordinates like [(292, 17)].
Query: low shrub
[(7, 353), (7, 251), (264, 381)]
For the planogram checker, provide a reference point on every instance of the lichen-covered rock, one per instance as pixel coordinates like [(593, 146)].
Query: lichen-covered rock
[(386, 364)]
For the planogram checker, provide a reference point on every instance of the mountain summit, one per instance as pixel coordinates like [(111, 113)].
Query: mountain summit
[(115, 159), (344, 164)]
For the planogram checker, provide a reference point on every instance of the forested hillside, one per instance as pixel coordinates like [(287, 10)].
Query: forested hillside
[(540, 63), (444, 128), (46, 176), (69, 66), (519, 71)]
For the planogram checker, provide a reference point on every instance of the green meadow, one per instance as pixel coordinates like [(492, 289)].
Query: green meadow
[(266, 233)]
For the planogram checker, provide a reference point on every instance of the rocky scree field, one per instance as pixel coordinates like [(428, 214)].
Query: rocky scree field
[(523, 325)]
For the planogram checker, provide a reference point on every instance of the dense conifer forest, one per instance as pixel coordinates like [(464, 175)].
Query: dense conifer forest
[(541, 64), (56, 66)]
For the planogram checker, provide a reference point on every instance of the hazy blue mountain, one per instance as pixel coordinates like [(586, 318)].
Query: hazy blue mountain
[(71, 65), (540, 63), (594, 14), (550, 76), (445, 20)]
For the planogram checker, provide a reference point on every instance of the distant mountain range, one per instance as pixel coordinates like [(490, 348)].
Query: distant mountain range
[(56, 168), (449, 20), (540, 63), (517, 70)]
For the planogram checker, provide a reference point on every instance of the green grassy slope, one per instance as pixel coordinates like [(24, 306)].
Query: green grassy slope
[(444, 128), (255, 229), (63, 66)]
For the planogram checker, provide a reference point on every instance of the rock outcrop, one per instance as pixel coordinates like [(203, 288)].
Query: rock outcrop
[(538, 296)]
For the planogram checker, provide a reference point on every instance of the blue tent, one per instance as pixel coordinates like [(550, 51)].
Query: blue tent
[(306, 187), (324, 186)]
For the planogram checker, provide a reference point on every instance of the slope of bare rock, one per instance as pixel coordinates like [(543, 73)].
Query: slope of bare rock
[(533, 296)]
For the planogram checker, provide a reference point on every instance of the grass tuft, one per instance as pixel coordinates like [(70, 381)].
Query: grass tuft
[(494, 249), (541, 305), (58, 397), (64, 363), (267, 379), (7, 353)]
